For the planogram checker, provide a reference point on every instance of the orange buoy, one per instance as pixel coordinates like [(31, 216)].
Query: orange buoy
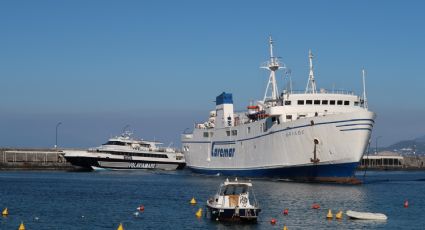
[(120, 227), (193, 201), (338, 216), (284, 227), (315, 206), (285, 212), (5, 212), (273, 221), (330, 215), (406, 203), (21, 226), (141, 208)]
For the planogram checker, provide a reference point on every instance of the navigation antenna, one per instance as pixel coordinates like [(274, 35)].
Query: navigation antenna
[(311, 84), (273, 65), (364, 89)]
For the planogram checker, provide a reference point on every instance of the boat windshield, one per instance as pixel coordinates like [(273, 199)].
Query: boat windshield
[(234, 190)]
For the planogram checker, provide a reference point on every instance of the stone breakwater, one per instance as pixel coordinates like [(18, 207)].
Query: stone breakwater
[(33, 159)]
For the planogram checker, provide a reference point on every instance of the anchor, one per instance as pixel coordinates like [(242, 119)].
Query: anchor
[(315, 160)]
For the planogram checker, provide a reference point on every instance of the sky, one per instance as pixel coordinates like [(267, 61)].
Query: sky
[(157, 66)]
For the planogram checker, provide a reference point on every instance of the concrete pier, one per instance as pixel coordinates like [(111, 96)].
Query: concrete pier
[(32, 159)]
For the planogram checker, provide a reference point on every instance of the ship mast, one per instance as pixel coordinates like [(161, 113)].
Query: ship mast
[(364, 90), (273, 65), (311, 84)]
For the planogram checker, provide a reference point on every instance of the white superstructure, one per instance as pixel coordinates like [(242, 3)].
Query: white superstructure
[(309, 135)]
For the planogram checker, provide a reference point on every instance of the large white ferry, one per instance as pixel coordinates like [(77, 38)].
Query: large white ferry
[(314, 135), (126, 152)]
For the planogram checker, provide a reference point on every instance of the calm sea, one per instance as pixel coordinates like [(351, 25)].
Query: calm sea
[(102, 200)]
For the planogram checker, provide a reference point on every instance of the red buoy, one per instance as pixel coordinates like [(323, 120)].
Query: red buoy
[(273, 221), (141, 208), (406, 203), (285, 212), (315, 206)]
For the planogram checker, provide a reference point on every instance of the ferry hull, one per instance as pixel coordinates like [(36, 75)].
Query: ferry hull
[(316, 149), (338, 173)]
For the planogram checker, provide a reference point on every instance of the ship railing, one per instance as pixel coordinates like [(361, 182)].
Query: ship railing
[(323, 91)]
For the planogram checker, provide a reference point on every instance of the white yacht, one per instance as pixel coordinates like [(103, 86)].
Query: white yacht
[(313, 135), (125, 152)]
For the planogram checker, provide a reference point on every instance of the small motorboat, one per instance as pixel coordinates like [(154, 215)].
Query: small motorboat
[(234, 201), (365, 215)]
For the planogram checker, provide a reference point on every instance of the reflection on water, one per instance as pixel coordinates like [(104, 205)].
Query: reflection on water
[(101, 200)]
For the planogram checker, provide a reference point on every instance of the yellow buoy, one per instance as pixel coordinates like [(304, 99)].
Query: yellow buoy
[(5, 212), (120, 227), (193, 201), (199, 213), (21, 226), (339, 215), (284, 227), (329, 216)]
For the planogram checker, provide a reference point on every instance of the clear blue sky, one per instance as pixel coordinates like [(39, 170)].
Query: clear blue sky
[(97, 66)]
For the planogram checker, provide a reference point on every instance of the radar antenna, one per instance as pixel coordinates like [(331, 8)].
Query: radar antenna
[(311, 84), (273, 65)]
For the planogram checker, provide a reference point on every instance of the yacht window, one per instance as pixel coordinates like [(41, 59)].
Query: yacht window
[(300, 102), (248, 129), (332, 102), (234, 132), (288, 117), (317, 102), (115, 143), (308, 102), (228, 133), (346, 102), (205, 134), (356, 103), (324, 102), (339, 102), (211, 134), (287, 102)]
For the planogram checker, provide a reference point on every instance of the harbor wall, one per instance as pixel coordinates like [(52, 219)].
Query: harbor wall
[(32, 159)]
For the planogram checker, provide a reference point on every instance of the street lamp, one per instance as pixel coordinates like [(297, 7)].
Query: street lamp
[(57, 126), (376, 142)]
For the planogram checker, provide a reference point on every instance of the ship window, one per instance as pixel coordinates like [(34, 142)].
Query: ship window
[(308, 102), (332, 102), (248, 129), (287, 102), (339, 102), (205, 134), (317, 102), (288, 117), (300, 102), (228, 133), (356, 103), (346, 102), (211, 134), (234, 132), (324, 102)]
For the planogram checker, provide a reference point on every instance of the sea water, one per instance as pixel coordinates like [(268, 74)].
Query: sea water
[(103, 200)]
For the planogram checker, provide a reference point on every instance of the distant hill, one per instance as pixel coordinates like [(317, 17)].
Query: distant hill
[(416, 145)]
